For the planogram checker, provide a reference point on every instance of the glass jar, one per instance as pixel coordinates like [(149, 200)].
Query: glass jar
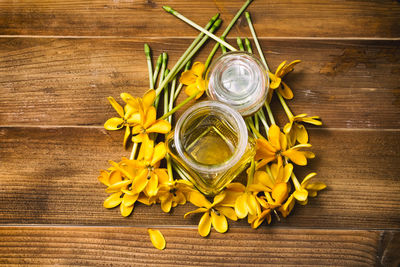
[(210, 145), (238, 79)]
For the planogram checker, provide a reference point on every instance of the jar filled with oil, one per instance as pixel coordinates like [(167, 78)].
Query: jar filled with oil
[(210, 145)]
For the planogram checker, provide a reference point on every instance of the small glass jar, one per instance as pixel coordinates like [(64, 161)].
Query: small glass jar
[(210, 145), (238, 79)]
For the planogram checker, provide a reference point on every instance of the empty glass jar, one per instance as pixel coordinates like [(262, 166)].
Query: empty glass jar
[(239, 80)]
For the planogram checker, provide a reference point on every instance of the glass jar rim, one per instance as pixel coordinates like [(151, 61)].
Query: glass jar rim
[(226, 111)]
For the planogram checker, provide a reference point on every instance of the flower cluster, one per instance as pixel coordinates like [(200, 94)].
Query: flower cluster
[(271, 189)]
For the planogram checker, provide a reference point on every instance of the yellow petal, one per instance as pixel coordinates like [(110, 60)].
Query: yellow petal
[(286, 208), (252, 204), (313, 120), (280, 192), (301, 134), (140, 181), (307, 179), (241, 206), (113, 200), (162, 175), (134, 118), (116, 106), (115, 177), (309, 154), (288, 127), (117, 186), (126, 135), (316, 186), (159, 153), (104, 177), (237, 187), (129, 200), (274, 136), (263, 178), (160, 126), (125, 210), (152, 185), (139, 138), (228, 212), (287, 171), (148, 98), (264, 150), (301, 195), (130, 100), (205, 224), (192, 89), (150, 117), (114, 124), (199, 210), (285, 91), (199, 200), (157, 239), (275, 81), (219, 198), (296, 157), (166, 204), (198, 69), (188, 77), (279, 69), (219, 222)]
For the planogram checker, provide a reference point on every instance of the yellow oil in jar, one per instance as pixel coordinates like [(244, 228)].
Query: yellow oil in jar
[(211, 147)]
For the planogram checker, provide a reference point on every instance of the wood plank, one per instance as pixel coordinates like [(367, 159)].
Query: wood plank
[(49, 176), (355, 18), (245, 247), (350, 84)]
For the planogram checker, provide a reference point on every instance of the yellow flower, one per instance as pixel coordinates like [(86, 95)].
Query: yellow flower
[(157, 239), (127, 118), (214, 213), (276, 146), (120, 182), (246, 202), (297, 131), (276, 79), (193, 78), (306, 188), (287, 207), (257, 219), (150, 175), (171, 194)]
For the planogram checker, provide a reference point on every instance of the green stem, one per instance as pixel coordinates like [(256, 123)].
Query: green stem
[(162, 75), (172, 111), (270, 115), (285, 106), (133, 153), (171, 98), (253, 33), (225, 33), (240, 43), (191, 23), (268, 169), (248, 45), (256, 122), (166, 93), (157, 70), (180, 86), (223, 48), (263, 120), (178, 65), (254, 130), (149, 65)]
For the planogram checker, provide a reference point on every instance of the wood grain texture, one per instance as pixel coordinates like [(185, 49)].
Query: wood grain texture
[(350, 84), (127, 246), (355, 18), (49, 176)]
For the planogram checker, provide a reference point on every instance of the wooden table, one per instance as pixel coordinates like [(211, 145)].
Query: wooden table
[(59, 60)]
